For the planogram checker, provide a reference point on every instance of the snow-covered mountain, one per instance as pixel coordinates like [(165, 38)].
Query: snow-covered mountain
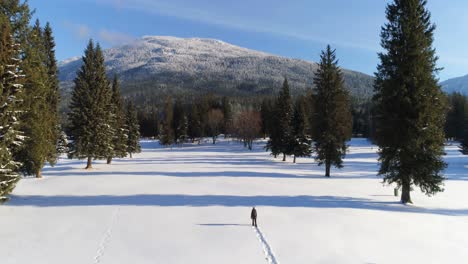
[(459, 84), (175, 64)]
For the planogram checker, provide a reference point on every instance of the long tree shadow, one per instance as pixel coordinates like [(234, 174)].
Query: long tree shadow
[(211, 174), (176, 200)]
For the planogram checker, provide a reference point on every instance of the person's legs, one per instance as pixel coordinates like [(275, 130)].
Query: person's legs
[(255, 221)]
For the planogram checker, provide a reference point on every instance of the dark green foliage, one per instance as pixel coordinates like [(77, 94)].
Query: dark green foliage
[(119, 140), (267, 115), (90, 109), (10, 88), (332, 118), (228, 118), (40, 118), (167, 127), (19, 15), (301, 143), (410, 107), (281, 135), (464, 140), (179, 123), (53, 94), (362, 118), (456, 116), (457, 122), (195, 128), (133, 130), (310, 106), (148, 119)]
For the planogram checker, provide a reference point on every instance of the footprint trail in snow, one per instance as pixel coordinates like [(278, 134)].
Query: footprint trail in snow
[(106, 237), (270, 257)]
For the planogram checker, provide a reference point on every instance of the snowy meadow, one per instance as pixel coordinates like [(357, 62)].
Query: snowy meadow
[(192, 204)]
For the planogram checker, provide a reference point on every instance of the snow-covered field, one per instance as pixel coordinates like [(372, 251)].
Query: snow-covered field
[(192, 205)]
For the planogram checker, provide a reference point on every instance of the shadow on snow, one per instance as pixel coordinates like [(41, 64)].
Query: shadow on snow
[(175, 200)]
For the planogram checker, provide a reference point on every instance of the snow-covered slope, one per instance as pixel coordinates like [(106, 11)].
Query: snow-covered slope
[(206, 64), (459, 85), (192, 205)]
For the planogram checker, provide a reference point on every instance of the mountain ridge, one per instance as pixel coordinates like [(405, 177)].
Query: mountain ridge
[(457, 84), (166, 64)]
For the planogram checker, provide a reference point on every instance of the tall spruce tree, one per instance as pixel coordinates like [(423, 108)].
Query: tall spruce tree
[(301, 143), (332, 118), (11, 79), (119, 140), (167, 130), (133, 130), (38, 124), (284, 113), (53, 93), (90, 114), (105, 129), (410, 107)]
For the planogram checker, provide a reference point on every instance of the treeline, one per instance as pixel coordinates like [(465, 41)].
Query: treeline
[(456, 126), (455, 122), (178, 121), (29, 96)]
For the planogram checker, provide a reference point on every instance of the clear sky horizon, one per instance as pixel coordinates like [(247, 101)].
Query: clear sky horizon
[(297, 28)]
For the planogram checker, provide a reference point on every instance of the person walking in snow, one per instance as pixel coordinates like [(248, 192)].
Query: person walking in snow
[(253, 216)]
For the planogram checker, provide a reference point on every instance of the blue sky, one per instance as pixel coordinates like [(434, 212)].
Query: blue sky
[(294, 28)]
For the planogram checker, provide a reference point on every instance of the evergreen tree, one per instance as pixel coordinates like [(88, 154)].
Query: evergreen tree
[(119, 141), (464, 137), (167, 131), (301, 143), (62, 143), (456, 116), (228, 118), (40, 142), (281, 136), (133, 130), (457, 121), (309, 104), (266, 113), (180, 123), (105, 129), (195, 128), (410, 107), (90, 109), (53, 93), (333, 120), (149, 122), (204, 106), (19, 16), (11, 79)]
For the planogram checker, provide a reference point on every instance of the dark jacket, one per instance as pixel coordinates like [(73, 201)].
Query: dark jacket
[(253, 214)]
